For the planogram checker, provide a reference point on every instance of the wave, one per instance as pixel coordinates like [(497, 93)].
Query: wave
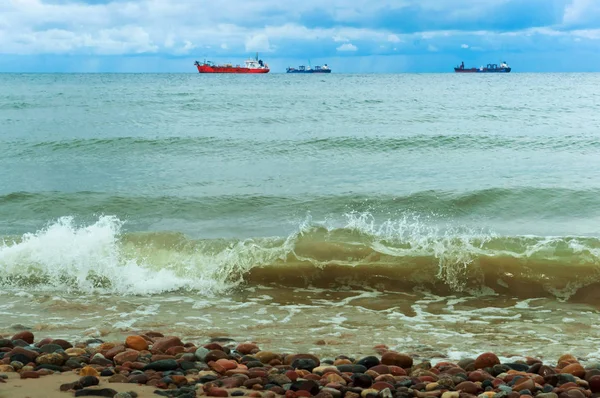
[(504, 203), (399, 255), (210, 144)]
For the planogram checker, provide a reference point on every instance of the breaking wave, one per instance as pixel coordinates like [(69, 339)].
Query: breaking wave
[(398, 255)]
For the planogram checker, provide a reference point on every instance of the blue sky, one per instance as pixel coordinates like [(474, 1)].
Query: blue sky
[(350, 35)]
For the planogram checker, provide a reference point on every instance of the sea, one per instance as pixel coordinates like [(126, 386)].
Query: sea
[(442, 215)]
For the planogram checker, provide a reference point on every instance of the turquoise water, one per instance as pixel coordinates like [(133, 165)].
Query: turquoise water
[(218, 186)]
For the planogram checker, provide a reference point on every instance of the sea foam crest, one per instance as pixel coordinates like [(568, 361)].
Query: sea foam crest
[(406, 251), (86, 258)]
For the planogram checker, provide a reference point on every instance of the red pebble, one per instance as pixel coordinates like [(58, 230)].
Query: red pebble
[(25, 335), (217, 392), (292, 375), (382, 385), (397, 371), (30, 375), (302, 393), (290, 394), (486, 360), (227, 364)]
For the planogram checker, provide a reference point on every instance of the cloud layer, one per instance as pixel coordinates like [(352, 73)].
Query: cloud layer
[(167, 29)]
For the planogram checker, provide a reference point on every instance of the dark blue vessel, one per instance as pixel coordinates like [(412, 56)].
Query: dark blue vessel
[(304, 69)]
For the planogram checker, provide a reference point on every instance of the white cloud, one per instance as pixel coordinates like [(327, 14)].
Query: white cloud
[(581, 11), (166, 26), (338, 38), (259, 42), (464, 46), (347, 47), (432, 48)]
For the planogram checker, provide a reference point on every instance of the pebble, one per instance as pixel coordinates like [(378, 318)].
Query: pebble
[(102, 392), (50, 348), (396, 359), (486, 360), (218, 369), (137, 343)]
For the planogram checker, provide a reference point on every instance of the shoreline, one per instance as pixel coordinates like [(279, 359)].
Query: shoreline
[(151, 364)]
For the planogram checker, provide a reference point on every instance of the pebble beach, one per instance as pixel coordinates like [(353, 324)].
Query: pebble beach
[(151, 364)]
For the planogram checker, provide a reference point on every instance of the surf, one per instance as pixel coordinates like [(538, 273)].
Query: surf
[(395, 255)]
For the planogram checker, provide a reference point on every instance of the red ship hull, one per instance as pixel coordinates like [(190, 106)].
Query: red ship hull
[(229, 69)]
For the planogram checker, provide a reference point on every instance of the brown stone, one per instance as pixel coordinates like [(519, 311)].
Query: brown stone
[(175, 350), (32, 355), (292, 375), (568, 358), (594, 383), (342, 361), (266, 356), (334, 378), (524, 384), (247, 348), (152, 334), (30, 375), (25, 335), (217, 392), (233, 382), (162, 344), (574, 369), (64, 344), (256, 372), (469, 387), (215, 355), (486, 360), (75, 352), (227, 364), (128, 355), (160, 357), (138, 379), (50, 359), (397, 371), (110, 354), (118, 378), (136, 343), (89, 371), (381, 369), (289, 359), (396, 359), (381, 385)]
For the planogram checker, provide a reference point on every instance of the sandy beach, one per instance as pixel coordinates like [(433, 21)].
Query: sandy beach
[(49, 386)]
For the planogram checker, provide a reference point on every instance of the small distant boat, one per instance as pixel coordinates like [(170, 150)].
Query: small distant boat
[(251, 66), (490, 68), (304, 69)]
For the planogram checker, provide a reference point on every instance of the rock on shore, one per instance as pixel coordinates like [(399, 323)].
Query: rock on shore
[(178, 369)]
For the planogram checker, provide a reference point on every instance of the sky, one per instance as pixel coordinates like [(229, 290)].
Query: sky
[(351, 36)]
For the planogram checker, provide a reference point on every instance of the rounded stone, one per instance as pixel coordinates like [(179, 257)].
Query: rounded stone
[(25, 335), (137, 343), (574, 369), (396, 359), (594, 383), (486, 360), (368, 362)]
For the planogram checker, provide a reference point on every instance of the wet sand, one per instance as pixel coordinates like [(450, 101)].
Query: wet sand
[(49, 386)]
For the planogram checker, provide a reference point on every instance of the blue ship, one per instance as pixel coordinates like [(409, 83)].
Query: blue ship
[(304, 69)]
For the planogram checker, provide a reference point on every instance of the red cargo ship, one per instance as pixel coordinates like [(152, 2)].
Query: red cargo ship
[(251, 66)]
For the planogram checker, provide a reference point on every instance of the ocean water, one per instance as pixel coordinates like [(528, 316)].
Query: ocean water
[(440, 214)]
